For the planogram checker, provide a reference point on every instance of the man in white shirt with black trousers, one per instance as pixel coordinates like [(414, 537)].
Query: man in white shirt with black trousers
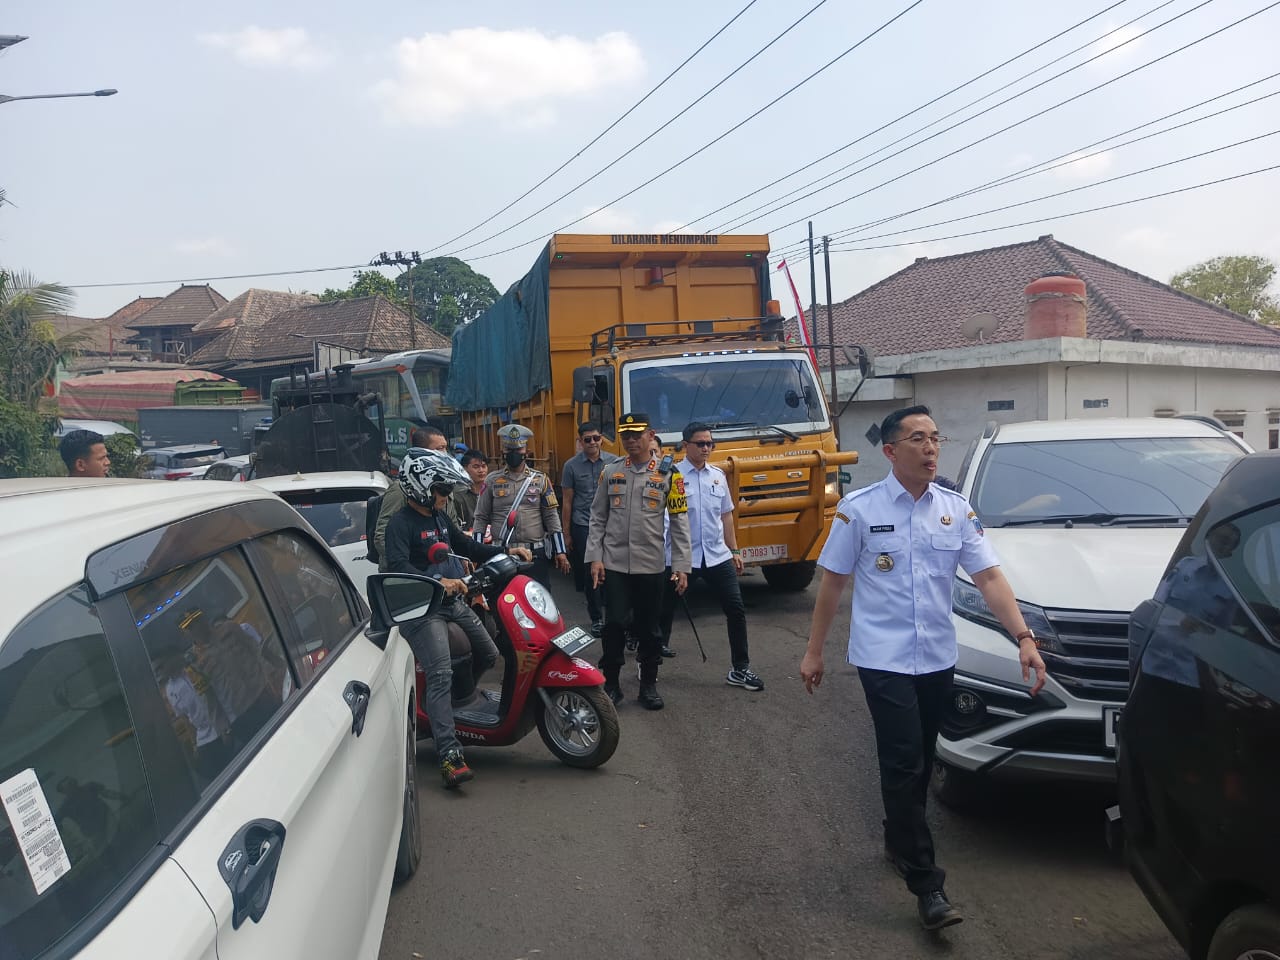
[(716, 557)]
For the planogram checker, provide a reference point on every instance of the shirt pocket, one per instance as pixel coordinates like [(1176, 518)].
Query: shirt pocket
[(888, 554), (944, 554)]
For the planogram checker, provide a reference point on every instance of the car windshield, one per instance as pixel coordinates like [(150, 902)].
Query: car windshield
[(337, 515), (1138, 480), (728, 392)]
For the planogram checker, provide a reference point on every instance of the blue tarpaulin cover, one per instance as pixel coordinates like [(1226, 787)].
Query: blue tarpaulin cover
[(504, 355)]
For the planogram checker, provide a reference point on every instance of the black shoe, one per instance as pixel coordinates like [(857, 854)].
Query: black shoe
[(667, 651), (899, 865), (649, 698), (936, 911), (613, 692)]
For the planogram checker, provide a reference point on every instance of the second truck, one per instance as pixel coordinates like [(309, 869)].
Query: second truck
[(681, 328)]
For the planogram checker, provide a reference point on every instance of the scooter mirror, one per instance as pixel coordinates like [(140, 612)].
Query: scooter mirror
[(438, 552)]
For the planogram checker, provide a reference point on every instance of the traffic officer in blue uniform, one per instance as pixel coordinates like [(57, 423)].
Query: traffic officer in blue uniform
[(900, 542), (518, 485)]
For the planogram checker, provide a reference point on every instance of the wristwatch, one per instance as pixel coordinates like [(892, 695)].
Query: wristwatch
[(1026, 635)]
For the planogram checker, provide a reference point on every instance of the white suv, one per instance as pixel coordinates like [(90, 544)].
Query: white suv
[(1083, 515), (203, 752)]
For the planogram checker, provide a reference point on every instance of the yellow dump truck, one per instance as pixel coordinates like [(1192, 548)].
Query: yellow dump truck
[(681, 328)]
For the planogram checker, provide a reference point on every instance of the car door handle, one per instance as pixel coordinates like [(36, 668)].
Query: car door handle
[(357, 695), (248, 867)]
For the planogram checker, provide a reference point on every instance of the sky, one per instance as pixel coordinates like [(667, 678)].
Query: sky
[(264, 138)]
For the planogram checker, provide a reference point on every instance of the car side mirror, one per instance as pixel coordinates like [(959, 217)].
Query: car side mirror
[(400, 598)]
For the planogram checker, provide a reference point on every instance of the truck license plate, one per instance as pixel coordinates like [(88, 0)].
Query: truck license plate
[(1110, 724), (573, 641), (768, 551)]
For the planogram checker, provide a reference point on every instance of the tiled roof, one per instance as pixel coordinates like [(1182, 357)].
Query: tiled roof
[(252, 309), (185, 307), (108, 335), (921, 308), (370, 324)]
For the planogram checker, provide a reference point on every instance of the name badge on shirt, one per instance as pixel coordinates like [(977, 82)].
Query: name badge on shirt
[(882, 528)]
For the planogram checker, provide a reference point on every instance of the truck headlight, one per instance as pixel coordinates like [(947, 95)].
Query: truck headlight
[(967, 602)]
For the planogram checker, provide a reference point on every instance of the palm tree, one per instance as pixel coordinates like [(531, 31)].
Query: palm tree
[(30, 346)]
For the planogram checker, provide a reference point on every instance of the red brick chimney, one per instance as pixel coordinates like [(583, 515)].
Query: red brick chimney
[(1055, 307)]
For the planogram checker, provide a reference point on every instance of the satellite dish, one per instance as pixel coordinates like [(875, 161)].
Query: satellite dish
[(979, 327)]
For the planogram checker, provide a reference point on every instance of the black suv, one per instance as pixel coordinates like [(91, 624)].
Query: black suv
[(1199, 739)]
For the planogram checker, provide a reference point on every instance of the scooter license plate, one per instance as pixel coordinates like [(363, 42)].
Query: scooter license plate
[(573, 641)]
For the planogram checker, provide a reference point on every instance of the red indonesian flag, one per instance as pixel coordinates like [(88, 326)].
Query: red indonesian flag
[(800, 318)]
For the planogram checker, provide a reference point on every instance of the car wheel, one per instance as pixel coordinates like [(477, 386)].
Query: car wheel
[(409, 853), (956, 788), (1250, 933)]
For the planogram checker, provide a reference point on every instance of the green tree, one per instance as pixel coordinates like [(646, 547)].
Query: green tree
[(367, 283), (126, 458), (26, 442), (30, 346), (1238, 283), (447, 292)]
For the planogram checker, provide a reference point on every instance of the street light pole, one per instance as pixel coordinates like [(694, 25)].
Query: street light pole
[(5, 98)]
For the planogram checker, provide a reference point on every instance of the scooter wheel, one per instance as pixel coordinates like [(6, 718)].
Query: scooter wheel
[(580, 727)]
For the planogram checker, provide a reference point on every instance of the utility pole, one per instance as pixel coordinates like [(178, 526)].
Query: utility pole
[(408, 261), (831, 326)]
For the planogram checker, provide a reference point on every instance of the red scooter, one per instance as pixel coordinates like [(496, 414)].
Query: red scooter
[(544, 682)]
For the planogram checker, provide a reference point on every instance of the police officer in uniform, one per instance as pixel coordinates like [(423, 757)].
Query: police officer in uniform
[(900, 542), (538, 510), (627, 552)]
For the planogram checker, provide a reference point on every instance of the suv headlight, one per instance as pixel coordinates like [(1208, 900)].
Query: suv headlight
[(540, 599), (967, 602)]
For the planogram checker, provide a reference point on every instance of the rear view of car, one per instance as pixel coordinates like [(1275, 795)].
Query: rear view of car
[(234, 469), (1199, 781), (186, 462)]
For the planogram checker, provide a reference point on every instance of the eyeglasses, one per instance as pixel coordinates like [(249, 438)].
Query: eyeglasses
[(596, 439), (704, 444), (920, 439)]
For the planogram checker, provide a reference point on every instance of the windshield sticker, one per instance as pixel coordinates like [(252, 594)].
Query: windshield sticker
[(32, 822)]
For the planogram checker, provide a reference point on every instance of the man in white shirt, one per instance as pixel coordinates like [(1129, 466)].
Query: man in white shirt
[(716, 557), (901, 540)]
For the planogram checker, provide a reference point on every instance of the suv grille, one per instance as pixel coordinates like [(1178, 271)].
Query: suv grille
[(1094, 664)]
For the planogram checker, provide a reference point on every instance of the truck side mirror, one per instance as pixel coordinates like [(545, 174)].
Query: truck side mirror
[(584, 385), (857, 356)]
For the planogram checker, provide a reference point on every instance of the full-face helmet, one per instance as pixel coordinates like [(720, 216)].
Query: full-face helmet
[(423, 470)]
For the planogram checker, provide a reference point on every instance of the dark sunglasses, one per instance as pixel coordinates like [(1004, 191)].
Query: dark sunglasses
[(595, 439), (704, 444)]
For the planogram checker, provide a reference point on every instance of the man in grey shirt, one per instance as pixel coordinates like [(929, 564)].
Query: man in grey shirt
[(578, 483)]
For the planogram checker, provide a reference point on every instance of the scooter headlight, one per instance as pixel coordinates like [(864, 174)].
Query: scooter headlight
[(539, 598)]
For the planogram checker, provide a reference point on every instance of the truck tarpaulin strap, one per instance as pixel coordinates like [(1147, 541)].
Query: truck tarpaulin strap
[(503, 357)]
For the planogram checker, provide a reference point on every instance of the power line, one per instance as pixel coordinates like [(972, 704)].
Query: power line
[(1017, 123), (1062, 216), (634, 147), (1078, 154), (598, 137), (229, 276), (786, 93), (1076, 189), (923, 106)]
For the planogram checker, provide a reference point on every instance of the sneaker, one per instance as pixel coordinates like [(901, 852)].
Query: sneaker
[(454, 770), (744, 678)]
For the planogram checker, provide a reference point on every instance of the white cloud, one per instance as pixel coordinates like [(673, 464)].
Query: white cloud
[(518, 73), (1082, 167), (205, 247), (286, 47), (1117, 43), (607, 220)]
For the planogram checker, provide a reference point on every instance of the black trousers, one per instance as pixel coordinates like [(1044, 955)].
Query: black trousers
[(907, 713), (582, 573), (723, 579), (634, 597)]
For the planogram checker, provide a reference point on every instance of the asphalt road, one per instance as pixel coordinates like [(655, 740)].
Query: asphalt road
[(744, 825)]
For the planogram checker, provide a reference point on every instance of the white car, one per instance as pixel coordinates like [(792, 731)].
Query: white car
[(334, 504), (204, 752), (234, 469), (1083, 515)]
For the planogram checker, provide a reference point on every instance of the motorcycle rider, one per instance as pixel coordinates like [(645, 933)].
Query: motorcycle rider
[(428, 478)]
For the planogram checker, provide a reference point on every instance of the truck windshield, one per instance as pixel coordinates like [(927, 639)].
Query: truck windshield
[(732, 393), (1141, 480)]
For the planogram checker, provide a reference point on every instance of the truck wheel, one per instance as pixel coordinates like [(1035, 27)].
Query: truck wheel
[(955, 788), (790, 577), (1252, 931)]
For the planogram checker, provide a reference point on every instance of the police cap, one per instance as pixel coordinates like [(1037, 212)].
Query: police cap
[(514, 436), (633, 423)]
